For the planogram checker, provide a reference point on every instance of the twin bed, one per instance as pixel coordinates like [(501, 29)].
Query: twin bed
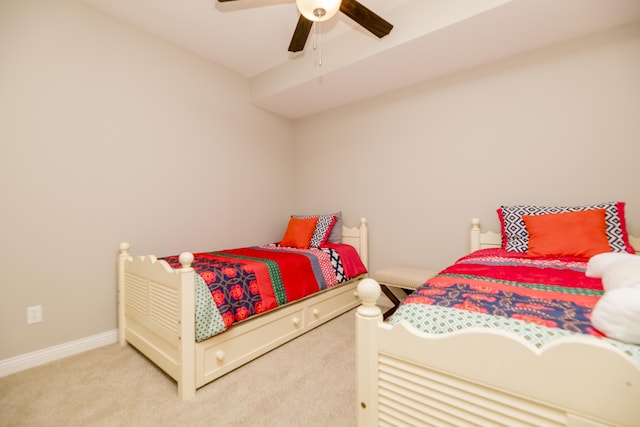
[(499, 338), (199, 316)]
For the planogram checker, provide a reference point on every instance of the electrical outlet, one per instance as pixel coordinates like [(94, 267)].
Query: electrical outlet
[(34, 314)]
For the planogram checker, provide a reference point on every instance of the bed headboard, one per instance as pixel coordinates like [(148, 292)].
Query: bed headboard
[(491, 239), (358, 237), (479, 240)]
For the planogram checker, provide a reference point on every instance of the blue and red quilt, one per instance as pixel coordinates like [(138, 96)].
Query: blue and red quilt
[(537, 298), (247, 281)]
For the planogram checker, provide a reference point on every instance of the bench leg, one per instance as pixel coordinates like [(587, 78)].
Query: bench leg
[(392, 297)]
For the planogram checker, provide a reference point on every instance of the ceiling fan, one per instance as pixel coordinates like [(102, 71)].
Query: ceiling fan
[(321, 10)]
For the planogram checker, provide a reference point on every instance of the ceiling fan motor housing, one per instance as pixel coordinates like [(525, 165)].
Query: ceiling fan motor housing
[(318, 10)]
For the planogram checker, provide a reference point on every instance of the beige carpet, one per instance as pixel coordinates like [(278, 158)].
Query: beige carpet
[(307, 382)]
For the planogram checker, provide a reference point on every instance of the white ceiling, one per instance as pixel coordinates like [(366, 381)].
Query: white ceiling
[(430, 38)]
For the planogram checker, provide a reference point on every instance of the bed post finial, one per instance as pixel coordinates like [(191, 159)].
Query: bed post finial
[(186, 258), (369, 292), (474, 237), (124, 248)]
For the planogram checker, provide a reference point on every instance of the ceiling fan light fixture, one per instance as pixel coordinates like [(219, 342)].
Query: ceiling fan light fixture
[(318, 10)]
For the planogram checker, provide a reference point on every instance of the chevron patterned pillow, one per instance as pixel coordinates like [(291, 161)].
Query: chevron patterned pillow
[(515, 237)]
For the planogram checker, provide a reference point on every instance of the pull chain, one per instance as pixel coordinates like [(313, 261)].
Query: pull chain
[(317, 42)]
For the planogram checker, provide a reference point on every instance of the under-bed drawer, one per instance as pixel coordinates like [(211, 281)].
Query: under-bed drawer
[(259, 335), (332, 305)]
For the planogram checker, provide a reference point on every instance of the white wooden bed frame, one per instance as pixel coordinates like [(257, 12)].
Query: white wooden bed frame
[(156, 316), (486, 377)]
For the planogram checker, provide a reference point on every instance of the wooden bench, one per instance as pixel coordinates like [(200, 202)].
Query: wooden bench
[(395, 279)]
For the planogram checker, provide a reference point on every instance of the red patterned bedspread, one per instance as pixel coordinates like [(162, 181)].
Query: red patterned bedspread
[(549, 292), (538, 299), (253, 280)]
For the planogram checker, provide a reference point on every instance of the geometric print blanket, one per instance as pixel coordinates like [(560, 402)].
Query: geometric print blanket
[(233, 285), (538, 299)]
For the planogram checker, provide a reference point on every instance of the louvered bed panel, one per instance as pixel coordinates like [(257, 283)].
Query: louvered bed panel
[(163, 307), (410, 394), (153, 305), (138, 289)]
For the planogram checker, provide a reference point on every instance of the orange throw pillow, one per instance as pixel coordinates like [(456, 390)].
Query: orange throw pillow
[(299, 232), (579, 234)]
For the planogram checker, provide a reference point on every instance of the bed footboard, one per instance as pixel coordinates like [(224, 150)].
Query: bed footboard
[(406, 377), (156, 314)]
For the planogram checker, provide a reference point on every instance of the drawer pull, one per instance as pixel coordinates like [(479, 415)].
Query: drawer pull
[(296, 321), (316, 312), (220, 355)]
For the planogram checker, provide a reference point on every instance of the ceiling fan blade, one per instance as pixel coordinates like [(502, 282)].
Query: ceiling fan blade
[(300, 35), (365, 17)]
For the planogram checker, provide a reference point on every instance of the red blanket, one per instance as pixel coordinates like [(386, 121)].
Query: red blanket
[(253, 280), (549, 292)]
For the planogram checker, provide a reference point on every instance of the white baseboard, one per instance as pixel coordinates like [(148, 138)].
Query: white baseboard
[(46, 355)]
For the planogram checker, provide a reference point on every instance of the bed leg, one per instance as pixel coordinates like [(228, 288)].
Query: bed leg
[(122, 257), (368, 317), (187, 380)]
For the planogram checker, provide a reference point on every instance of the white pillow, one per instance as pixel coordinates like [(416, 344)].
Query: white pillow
[(622, 274), (617, 315), (599, 263)]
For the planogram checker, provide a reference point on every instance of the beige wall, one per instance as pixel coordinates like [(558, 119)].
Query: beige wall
[(556, 126), (108, 134)]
